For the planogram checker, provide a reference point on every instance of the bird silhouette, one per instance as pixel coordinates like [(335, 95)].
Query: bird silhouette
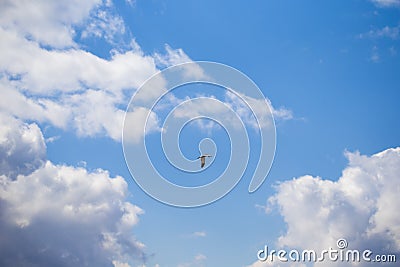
[(203, 159)]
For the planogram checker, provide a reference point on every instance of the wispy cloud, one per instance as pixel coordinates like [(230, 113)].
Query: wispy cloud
[(199, 234), (243, 106), (387, 3), (198, 261), (385, 32), (200, 257), (375, 55), (178, 56)]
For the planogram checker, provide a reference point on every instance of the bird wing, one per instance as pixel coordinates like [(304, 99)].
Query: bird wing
[(203, 161)]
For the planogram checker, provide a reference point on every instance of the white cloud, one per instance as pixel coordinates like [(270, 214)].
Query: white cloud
[(56, 215), (387, 3), (63, 84), (257, 106), (193, 108), (93, 112), (375, 55), (199, 234), (45, 72), (172, 57), (105, 23), (216, 109), (198, 261), (360, 207), (49, 78), (39, 109), (178, 56), (200, 257), (47, 22), (135, 121), (385, 32), (22, 147), (65, 216)]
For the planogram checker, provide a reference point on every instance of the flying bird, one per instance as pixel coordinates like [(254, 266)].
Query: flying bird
[(203, 159)]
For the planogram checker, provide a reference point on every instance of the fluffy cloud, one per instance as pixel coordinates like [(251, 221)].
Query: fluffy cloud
[(361, 206), (46, 77), (45, 72), (135, 121), (56, 215), (46, 22), (22, 147), (65, 216), (39, 109)]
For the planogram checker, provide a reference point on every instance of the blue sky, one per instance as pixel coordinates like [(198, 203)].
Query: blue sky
[(329, 69)]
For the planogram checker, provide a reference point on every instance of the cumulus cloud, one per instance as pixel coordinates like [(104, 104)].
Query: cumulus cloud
[(94, 113), (45, 72), (57, 215), (46, 77), (65, 216), (46, 22), (361, 206), (22, 147), (38, 109), (134, 122)]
